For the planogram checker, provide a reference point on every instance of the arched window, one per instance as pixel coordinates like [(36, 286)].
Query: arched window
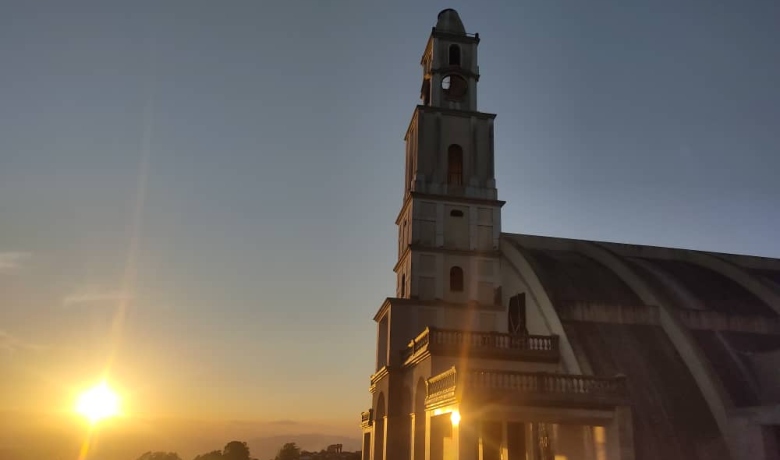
[(455, 165), (455, 55), (456, 279)]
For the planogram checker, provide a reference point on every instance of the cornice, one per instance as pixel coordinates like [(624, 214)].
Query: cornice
[(404, 206), (382, 309), (457, 112), (402, 257), (493, 253), (411, 122), (457, 199)]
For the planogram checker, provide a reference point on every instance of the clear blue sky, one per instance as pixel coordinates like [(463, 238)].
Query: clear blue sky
[(274, 138)]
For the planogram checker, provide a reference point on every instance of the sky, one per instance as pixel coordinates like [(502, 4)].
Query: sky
[(197, 198)]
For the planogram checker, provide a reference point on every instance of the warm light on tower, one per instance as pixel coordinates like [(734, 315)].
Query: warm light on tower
[(98, 403), (455, 418)]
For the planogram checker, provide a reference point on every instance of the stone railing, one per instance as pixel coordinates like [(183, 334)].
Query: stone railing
[(417, 344), (440, 389), (443, 382), (532, 387), (367, 418), (541, 382), (540, 347)]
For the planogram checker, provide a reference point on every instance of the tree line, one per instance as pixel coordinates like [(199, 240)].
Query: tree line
[(234, 450)]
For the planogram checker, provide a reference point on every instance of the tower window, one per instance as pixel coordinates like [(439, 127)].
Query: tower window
[(455, 165), (456, 279), (454, 55), (456, 213), (403, 285)]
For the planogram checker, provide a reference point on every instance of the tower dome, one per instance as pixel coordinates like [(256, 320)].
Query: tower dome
[(449, 21)]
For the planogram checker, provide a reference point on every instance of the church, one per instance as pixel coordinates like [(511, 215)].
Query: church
[(510, 346)]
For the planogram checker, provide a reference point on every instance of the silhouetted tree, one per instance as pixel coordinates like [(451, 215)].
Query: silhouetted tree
[(236, 450), (289, 451), (160, 456), (213, 455)]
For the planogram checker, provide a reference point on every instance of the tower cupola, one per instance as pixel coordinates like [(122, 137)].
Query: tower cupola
[(449, 22)]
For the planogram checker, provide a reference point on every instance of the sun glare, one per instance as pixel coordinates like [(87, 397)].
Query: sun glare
[(98, 403)]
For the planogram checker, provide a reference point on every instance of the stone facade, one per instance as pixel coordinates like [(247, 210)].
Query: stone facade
[(507, 346)]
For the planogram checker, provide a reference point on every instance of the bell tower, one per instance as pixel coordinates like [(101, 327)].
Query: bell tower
[(448, 273), (450, 219), (450, 71)]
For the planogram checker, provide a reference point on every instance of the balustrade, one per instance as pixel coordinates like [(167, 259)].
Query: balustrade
[(564, 385), (545, 383), (486, 341)]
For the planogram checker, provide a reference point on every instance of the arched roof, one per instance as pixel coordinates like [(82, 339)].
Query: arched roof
[(682, 277), (726, 292)]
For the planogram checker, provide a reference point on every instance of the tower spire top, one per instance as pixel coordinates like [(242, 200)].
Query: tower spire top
[(449, 21)]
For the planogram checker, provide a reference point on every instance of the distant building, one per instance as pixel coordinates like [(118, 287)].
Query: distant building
[(333, 452), (508, 346)]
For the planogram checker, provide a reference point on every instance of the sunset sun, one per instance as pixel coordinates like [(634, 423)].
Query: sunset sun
[(98, 403)]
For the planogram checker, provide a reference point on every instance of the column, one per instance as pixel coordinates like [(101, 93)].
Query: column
[(468, 438), (620, 435), (412, 437), (491, 433), (396, 437), (379, 438), (418, 436), (428, 437), (515, 440), (366, 454)]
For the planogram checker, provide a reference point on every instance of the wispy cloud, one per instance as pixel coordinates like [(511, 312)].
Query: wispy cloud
[(95, 294), (9, 343), (10, 261), (284, 422)]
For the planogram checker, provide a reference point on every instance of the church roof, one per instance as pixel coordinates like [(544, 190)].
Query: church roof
[(571, 271), (729, 306)]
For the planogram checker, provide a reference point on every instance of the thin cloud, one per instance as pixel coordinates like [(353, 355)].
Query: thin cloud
[(95, 294), (283, 422), (9, 343), (10, 261)]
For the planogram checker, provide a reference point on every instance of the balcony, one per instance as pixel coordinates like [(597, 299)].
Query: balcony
[(367, 418), (524, 389), (482, 344)]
